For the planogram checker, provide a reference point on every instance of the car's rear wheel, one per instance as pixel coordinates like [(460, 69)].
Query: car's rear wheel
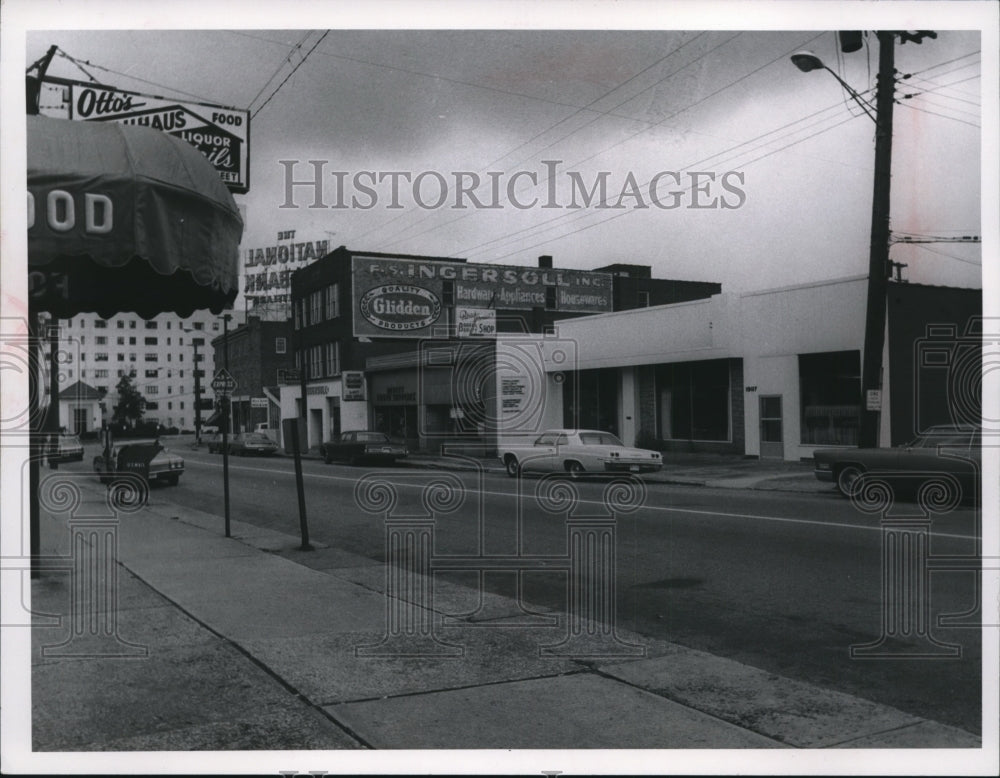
[(512, 465), (848, 477), (575, 469)]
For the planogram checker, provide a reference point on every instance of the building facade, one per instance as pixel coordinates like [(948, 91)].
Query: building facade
[(80, 409), (407, 345), (773, 373), (259, 356), (158, 354)]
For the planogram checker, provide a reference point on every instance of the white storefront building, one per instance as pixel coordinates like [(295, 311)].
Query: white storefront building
[(760, 341)]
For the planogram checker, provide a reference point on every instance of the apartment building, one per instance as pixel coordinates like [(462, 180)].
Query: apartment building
[(161, 356)]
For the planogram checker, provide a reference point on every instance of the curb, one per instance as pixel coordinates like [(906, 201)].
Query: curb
[(760, 485)]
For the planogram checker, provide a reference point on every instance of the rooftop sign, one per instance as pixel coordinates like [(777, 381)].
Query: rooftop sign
[(221, 134), (405, 297)]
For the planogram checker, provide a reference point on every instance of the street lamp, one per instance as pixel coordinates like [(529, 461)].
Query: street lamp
[(806, 61), (878, 256)]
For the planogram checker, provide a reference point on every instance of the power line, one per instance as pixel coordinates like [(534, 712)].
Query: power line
[(135, 78), (926, 235), (286, 61), (943, 116), (657, 124), (906, 237), (472, 84), (389, 239), (949, 256), (81, 67), (930, 99), (294, 70), (935, 88), (611, 91), (948, 62), (627, 212), (578, 216), (720, 154)]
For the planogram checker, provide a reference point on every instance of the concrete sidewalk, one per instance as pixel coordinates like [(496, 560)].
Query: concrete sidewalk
[(250, 643)]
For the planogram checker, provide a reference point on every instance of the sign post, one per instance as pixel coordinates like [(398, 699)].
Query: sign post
[(223, 384)]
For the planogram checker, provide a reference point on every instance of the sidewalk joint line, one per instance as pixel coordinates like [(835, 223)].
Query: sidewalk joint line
[(715, 716), (284, 684), (463, 687)]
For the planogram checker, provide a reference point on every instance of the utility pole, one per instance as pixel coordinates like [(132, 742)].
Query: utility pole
[(225, 423), (296, 434), (878, 256)]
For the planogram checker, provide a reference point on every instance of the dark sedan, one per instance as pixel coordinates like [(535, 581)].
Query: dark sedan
[(358, 446), (252, 444), (943, 453), (147, 458)]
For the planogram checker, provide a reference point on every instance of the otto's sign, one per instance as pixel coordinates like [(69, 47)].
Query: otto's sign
[(470, 287), (221, 134)]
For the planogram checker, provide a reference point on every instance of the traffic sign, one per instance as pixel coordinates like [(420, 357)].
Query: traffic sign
[(223, 382)]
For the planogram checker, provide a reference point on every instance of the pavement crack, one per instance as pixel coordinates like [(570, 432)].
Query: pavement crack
[(424, 692)]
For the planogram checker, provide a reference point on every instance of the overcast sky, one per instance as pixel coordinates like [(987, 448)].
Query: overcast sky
[(626, 104)]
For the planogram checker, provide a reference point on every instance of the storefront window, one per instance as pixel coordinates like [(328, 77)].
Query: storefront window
[(590, 400), (831, 390), (694, 400)]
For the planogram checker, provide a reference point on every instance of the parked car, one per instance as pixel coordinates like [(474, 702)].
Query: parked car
[(951, 450), (65, 448), (252, 443), (215, 443), (578, 452), (361, 445), (147, 458)]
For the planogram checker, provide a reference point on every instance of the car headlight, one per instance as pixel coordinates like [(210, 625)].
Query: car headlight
[(615, 454)]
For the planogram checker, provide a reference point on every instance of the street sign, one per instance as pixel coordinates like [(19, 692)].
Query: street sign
[(873, 400), (223, 382), (258, 402)]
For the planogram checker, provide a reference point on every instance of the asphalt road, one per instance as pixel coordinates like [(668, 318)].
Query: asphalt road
[(782, 581)]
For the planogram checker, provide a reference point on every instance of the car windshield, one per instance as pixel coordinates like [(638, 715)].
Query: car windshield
[(599, 439)]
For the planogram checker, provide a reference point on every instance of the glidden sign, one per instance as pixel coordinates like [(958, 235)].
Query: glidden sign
[(400, 308), (403, 297)]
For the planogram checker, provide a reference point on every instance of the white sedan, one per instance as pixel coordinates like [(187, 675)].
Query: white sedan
[(577, 452)]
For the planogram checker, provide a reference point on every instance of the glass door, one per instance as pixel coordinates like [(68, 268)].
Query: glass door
[(772, 444)]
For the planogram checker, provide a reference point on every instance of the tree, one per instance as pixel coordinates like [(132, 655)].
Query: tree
[(131, 404)]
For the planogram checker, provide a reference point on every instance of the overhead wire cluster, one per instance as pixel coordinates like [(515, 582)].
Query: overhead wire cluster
[(932, 94)]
